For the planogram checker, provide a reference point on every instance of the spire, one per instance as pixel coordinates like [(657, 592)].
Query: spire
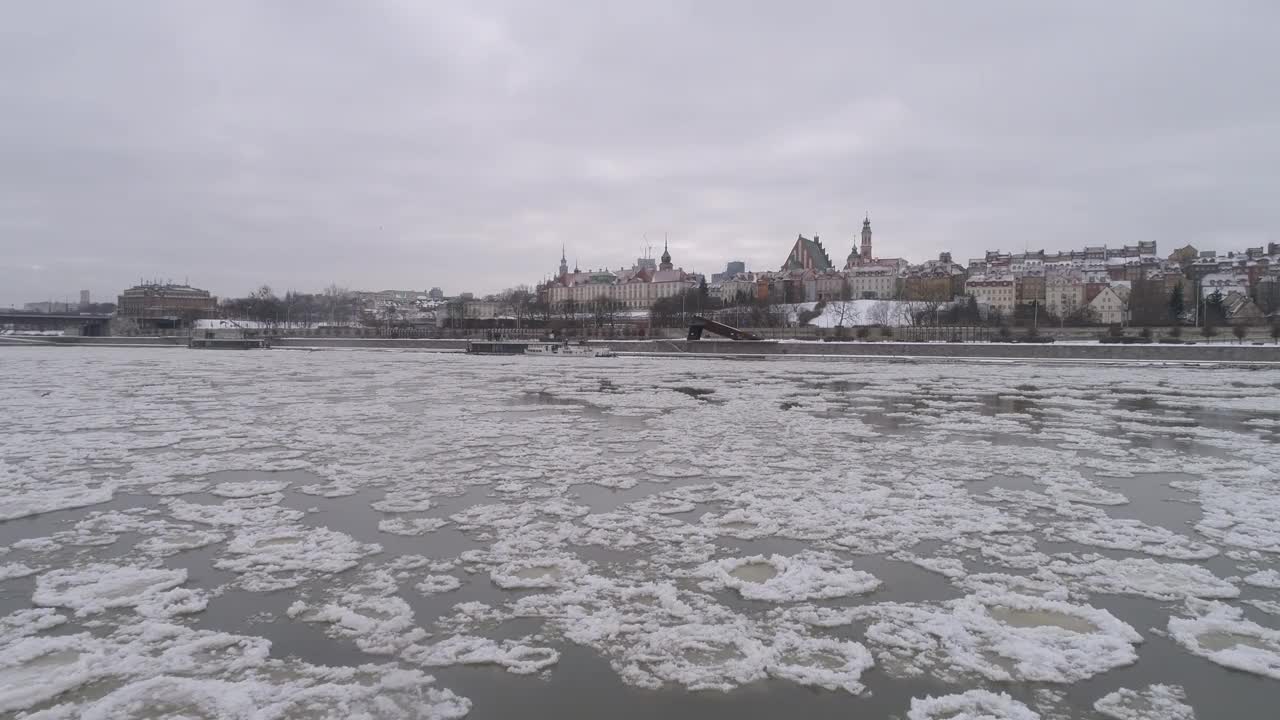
[(865, 251), (564, 265), (666, 257)]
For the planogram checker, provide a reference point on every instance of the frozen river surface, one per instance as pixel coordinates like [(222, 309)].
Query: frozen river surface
[(357, 534)]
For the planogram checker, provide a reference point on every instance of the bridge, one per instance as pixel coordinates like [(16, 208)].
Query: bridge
[(91, 324)]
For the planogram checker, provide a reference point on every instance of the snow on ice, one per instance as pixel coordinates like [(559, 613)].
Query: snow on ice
[(692, 523)]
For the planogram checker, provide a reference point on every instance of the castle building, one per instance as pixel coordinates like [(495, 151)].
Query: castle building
[(636, 288)]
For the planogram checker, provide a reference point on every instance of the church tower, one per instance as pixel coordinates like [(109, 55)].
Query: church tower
[(666, 258), (564, 264), (866, 239)]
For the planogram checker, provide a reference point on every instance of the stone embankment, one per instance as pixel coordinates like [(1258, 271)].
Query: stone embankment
[(1215, 352)]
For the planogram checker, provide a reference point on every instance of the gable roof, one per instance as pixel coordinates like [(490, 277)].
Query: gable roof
[(811, 249)]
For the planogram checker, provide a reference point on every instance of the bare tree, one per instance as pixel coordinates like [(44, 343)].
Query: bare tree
[(605, 311), (880, 313)]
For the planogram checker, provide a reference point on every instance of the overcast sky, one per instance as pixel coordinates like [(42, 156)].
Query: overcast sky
[(414, 144)]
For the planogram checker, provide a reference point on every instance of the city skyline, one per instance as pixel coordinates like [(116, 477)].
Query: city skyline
[(465, 145)]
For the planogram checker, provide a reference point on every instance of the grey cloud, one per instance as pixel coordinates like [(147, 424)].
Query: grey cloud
[(406, 144)]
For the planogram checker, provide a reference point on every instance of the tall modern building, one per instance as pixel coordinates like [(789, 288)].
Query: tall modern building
[(731, 270)]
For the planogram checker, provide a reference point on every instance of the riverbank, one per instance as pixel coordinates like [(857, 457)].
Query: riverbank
[(1216, 352)]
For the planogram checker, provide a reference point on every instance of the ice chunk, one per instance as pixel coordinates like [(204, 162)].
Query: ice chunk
[(248, 488), (1157, 702), (379, 625), (411, 526), (401, 501), (971, 705), (229, 513), (537, 572), (281, 557), (36, 669), (697, 655), (16, 570), (18, 503), (436, 584), (786, 579), (1143, 577), (177, 487), (1263, 579), (1219, 632), (821, 662), (176, 539), (324, 694), (515, 655), (1134, 536), (171, 603), (94, 588), (1000, 636)]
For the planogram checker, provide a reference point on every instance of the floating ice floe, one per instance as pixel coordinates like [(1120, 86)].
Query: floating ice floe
[(740, 523), (537, 572), (436, 584), (91, 589), (1143, 577), (38, 669), (778, 578), (18, 503), (377, 693), (329, 490), (829, 663), (971, 705), (231, 514), (947, 567), (1219, 632), (1157, 702), (661, 505), (275, 558), (178, 487), (173, 602), (403, 501), (16, 570), (174, 539), (411, 526), (378, 625), (1000, 636), (1123, 534), (1244, 513), (1263, 578), (248, 488), (516, 656)]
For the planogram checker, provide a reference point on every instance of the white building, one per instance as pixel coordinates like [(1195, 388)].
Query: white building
[(1111, 306), (1225, 283), (878, 281), (997, 292), (1064, 292)]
